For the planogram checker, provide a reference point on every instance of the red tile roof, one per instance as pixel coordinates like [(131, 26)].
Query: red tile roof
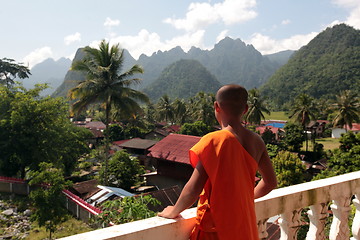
[(174, 147), (355, 127), (261, 129)]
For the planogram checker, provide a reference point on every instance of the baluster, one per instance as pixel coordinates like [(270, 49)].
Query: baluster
[(289, 224), (317, 215), (262, 226), (339, 227), (356, 220)]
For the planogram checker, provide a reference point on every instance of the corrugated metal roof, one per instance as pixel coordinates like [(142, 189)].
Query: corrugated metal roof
[(174, 147), (138, 143)]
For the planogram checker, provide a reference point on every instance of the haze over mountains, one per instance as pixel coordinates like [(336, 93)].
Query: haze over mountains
[(50, 72)]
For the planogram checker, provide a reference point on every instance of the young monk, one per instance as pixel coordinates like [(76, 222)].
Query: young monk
[(225, 164)]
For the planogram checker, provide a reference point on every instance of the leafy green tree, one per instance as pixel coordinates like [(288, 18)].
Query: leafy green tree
[(303, 111), (347, 107), (149, 113), (165, 109), (115, 132), (105, 84), (9, 70), (180, 111), (348, 141), (197, 128), (294, 137), (256, 108), (272, 150), (48, 199), (124, 170), (268, 136), (346, 159), (201, 108), (288, 168), (34, 130), (125, 210)]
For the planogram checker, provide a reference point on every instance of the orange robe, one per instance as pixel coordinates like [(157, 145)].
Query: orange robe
[(226, 208)]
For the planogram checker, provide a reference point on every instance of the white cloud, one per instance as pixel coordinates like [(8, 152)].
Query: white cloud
[(37, 56), (111, 22), (147, 43), (76, 37), (285, 22), (267, 45), (221, 36), (354, 11), (200, 15)]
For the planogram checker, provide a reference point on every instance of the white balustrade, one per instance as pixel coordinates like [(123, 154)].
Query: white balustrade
[(286, 202)]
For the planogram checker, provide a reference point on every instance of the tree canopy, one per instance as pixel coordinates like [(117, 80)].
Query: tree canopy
[(48, 200), (9, 70), (123, 171), (35, 129), (327, 65)]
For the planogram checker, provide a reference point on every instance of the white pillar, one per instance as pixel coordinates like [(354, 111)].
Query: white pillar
[(289, 224), (356, 220), (317, 215), (339, 227)]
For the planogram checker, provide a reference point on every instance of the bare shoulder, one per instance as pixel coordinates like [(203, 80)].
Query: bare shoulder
[(253, 143)]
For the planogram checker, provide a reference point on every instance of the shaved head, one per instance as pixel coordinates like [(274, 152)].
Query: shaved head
[(232, 99)]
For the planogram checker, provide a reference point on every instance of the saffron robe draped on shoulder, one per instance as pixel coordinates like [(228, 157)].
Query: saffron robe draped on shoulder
[(226, 208)]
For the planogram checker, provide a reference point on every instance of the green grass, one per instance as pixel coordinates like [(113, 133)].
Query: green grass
[(329, 143), (277, 116), (71, 227)]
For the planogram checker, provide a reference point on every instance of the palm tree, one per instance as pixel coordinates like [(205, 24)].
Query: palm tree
[(256, 108), (303, 111), (180, 111), (105, 84), (201, 107), (347, 105), (165, 109)]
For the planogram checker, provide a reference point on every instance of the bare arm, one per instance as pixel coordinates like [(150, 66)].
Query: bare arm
[(268, 181), (189, 194)]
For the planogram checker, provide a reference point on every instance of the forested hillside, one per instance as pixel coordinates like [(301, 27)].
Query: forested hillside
[(230, 61), (329, 64), (183, 79)]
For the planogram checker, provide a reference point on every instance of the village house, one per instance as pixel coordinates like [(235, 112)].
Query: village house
[(96, 127), (337, 131), (171, 158)]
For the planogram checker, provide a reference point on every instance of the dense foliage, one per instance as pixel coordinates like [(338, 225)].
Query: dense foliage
[(48, 199), (125, 210), (35, 129), (346, 159), (197, 128), (288, 168), (123, 170), (183, 79), (9, 70), (294, 137), (329, 64)]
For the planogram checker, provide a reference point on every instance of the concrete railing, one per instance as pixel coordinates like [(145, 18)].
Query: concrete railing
[(288, 203)]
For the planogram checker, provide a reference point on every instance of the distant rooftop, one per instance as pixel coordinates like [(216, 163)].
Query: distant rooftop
[(174, 147)]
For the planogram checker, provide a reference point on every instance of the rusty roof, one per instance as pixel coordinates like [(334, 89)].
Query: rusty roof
[(174, 147)]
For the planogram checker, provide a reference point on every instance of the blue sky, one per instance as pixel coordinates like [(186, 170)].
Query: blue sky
[(33, 30)]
